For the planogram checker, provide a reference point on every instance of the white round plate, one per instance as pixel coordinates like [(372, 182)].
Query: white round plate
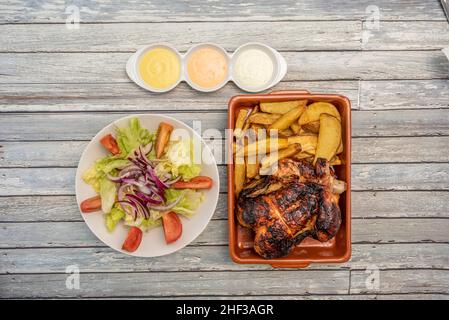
[(153, 241)]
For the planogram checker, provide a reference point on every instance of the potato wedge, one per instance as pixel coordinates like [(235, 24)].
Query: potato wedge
[(296, 128), (329, 137), (313, 126), (340, 148), (336, 161), (240, 122), (281, 107), (263, 118), (274, 157), (263, 146), (239, 177), (302, 155), (286, 133), (315, 110), (252, 166), (308, 143), (287, 119)]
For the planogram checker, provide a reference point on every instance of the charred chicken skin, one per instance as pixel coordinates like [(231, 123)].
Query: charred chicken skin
[(295, 202)]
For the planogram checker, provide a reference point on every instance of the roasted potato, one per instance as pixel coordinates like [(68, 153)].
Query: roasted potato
[(281, 107), (296, 128), (263, 146), (252, 166), (340, 148), (274, 157), (239, 177), (308, 143), (263, 118), (287, 119), (315, 110), (302, 155), (336, 161), (240, 122), (286, 133), (329, 137), (313, 126)]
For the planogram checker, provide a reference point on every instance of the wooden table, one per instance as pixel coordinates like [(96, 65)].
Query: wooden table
[(59, 86)]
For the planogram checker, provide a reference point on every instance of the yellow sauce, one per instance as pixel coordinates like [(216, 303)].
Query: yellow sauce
[(207, 67), (160, 68)]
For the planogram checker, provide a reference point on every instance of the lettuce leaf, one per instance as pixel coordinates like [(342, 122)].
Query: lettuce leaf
[(100, 168), (189, 172), (114, 217), (129, 138), (143, 224), (188, 204), (108, 191)]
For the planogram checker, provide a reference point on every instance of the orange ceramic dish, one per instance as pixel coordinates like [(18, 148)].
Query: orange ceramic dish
[(338, 249)]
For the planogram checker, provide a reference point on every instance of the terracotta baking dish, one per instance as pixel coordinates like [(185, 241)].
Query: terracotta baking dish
[(337, 250)]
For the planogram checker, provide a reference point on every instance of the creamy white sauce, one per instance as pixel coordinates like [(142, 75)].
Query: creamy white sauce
[(253, 68)]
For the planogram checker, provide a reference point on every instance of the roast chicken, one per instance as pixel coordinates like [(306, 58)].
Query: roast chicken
[(296, 201)]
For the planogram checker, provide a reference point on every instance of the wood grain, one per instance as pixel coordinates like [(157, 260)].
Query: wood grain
[(210, 258), (319, 65), (405, 94), (128, 37), (411, 35), (127, 96), (399, 281), (77, 234), (197, 10), (177, 284)]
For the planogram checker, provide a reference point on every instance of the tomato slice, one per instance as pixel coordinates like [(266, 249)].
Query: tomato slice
[(133, 239), (109, 142), (172, 226), (200, 182), (91, 205)]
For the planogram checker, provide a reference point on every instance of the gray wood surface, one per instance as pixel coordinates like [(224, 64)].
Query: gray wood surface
[(59, 87)]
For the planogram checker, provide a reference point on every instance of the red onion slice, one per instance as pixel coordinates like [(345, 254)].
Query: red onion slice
[(166, 207)]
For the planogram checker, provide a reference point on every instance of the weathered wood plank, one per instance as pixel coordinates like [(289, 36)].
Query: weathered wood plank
[(365, 177), (407, 35), (400, 177), (403, 281), (401, 149), (77, 234), (127, 96), (399, 94), (399, 123), (364, 150), (400, 204), (210, 258), (345, 65), (83, 126), (383, 204), (309, 35), (339, 35), (177, 284), (404, 94), (26, 11)]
